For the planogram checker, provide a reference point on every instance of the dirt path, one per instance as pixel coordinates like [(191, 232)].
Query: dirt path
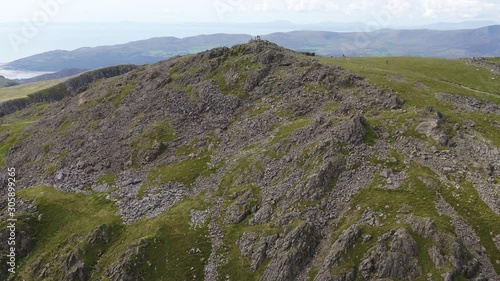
[(471, 89)]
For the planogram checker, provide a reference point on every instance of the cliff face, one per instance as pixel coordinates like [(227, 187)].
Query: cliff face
[(254, 163)]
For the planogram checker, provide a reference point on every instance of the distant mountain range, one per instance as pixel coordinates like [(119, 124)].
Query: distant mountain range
[(480, 42)]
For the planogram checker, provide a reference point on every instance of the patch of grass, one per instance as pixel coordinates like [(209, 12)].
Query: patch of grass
[(495, 59), (313, 273), (438, 75), (244, 171), (155, 134), (184, 150), (238, 267), (477, 214), (239, 64), (64, 215), (414, 193), (109, 179), (259, 109), (123, 92), (22, 91), (371, 136), (52, 168), (185, 172), (66, 123), (394, 161), (315, 88), (13, 129), (331, 106), (286, 130), (285, 113), (174, 251)]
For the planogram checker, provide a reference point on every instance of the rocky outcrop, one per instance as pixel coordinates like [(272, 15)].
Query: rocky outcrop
[(483, 62), (394, 256), (25, 240), (291, 253), (125, 267), (468, 104), (433, 130), (335, 255), (354, 131)]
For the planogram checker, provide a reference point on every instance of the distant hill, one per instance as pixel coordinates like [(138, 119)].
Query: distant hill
[(481, 42), (4, 82), (458, 25), (138, 52), (60, 74)]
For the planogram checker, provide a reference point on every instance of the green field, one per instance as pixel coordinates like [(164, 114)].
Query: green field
[(417, 80), (23, 91)]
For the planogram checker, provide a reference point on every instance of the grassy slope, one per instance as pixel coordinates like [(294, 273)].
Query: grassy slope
[(438, 75), (416, 80), (497, 59), (22, 91), (169, 236)]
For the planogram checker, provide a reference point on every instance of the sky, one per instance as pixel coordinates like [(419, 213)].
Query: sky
[(303, 11), (32, 26)]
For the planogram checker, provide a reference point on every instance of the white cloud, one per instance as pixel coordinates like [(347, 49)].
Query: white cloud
[(461, 9), (296, 5)]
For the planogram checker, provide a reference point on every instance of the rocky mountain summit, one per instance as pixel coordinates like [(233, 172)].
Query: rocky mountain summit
[(253, 163)]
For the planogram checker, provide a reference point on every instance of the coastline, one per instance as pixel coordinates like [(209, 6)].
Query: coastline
[(20, 74)]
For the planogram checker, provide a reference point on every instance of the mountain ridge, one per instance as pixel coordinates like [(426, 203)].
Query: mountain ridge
[(259, 163), (459, 44)]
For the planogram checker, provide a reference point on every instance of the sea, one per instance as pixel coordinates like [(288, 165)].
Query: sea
[(19, 74)]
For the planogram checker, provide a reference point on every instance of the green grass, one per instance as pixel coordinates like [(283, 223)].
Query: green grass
[(496, 59), (13, 128), (436, 75), (155, 134), (161, 132), (260, 108), (23, 91), (185, 172), (284, 131), (244, 170), (237, 266), (170, 250), (422, 199), (413, 193), (123, 92), (68, 216), (64, 215), (109, 179), (239, 64), (477, 214)]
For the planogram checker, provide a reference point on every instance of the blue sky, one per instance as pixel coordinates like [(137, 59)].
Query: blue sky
[(29, 27)]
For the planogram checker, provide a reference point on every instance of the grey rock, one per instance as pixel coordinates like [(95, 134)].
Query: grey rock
[(238, 211), (394, 256), (354, 131), (262, 216), (291, 253)]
